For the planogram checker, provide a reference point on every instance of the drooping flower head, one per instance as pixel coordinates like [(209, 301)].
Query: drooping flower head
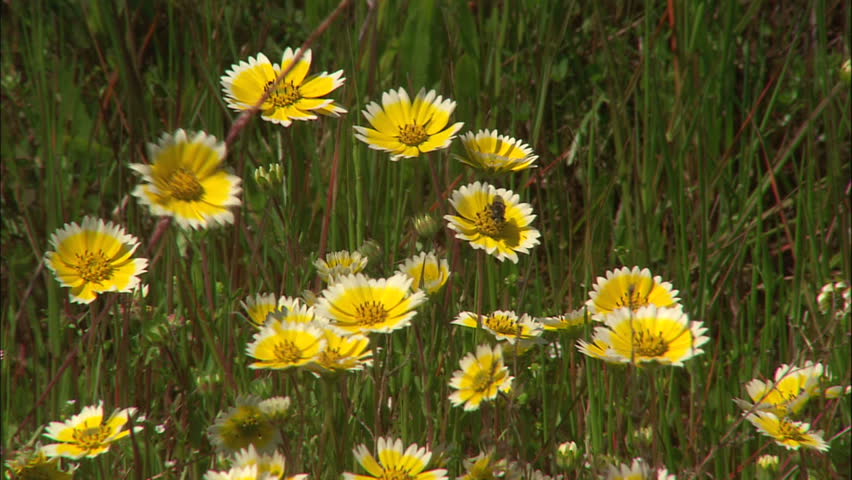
[(638, 470), (245, 424), (360, 304), (789, 393), (484, 466), (261, 306), (281, 344), (186, 180), (293, 98), (650, 334), (630, 288), (787, 433), (572, 321), (487, 150), (272, 465), (87, 434), (493, 220), (503, 324), (340, 264), (33, 464), (407, 129), (392, 462), (835, 298), (93, 258), (426, 271), (482, 375), (342, 352)]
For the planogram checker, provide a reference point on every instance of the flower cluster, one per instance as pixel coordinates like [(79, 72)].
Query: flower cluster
[(776, 403)]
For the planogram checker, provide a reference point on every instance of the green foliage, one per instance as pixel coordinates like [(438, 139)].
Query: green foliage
[(712, 147)]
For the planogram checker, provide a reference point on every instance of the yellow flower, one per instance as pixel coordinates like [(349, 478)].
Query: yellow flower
[(239, 473), (282, 344), (394, 463), (787, 433), (484, 467), (629, 288), (294, 97), (426, 271), (273, 465), (247, 423), (87, 434), (573, 321), (93, 258), (339, 264), (35, 465), (262, 305), (493, 220), (342, 352), (405, 129), (639, 470), (482, 375), (185, 180), (503, 324), (650, 334), (788, 394), (360, 304), (487, 150)]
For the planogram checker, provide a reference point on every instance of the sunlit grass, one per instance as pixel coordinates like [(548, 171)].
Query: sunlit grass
[(709, 143)]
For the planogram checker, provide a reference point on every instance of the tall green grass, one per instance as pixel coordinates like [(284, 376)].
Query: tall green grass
[(711, 146)]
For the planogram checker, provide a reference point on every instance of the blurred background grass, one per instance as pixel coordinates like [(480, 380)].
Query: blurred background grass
[(706, 140)]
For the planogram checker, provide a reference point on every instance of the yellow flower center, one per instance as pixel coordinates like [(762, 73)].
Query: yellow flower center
[(287, 352), (482, 381), (91, 438), (184, 185), (395, 474), (632, 298), (284, 95), (647, 344), (329, 357), (412, 134), (489, 224), (371, 313), (789, 432), (94, 267), (504, 325)]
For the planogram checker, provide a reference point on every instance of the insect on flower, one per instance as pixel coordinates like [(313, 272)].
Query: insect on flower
[(498, 209)]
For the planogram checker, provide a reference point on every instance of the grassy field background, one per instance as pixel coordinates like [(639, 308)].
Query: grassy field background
[(706, 140)]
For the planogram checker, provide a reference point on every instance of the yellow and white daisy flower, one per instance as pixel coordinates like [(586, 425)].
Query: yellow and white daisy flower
[(504, 325), (392, 462), (243, 425), (87, 434), (407, 129), (490, 151), (631, 288), (571, 321), (261, 306), (272, 465), (482, 375), (426, 271), (340, 264), (294, 98), (788, 394), (342, 352), (650, 334), (787, 433), (493, 220), (360, 304), (638, 470), (93, 258), (186, 180), (33, 464), (281, 344), (239, 473), (485, 467)]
